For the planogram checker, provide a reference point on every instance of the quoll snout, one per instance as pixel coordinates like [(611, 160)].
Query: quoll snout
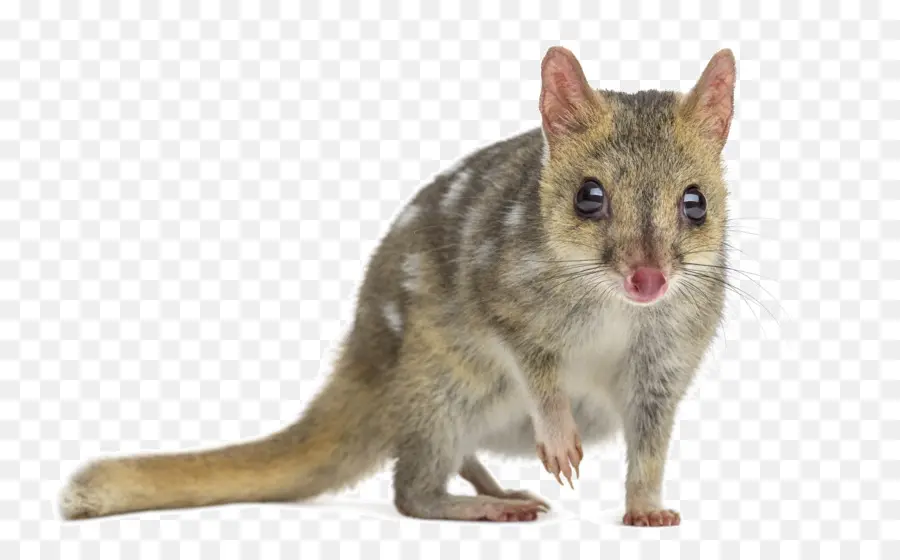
[(646, 284)]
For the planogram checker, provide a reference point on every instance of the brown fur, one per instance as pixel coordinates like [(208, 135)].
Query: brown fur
[(492, 318), (326, 450)]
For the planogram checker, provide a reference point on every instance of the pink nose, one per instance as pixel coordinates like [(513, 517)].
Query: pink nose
[(646, 284)]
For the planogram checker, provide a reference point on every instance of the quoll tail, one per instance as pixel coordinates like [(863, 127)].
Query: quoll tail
[(330, 447)]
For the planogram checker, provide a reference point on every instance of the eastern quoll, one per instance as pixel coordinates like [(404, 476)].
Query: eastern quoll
[(546, 292)]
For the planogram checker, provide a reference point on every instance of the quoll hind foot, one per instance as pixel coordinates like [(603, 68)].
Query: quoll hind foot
[(511, 510), (525, 496), (473, 508), (475, 472), (652, 518)]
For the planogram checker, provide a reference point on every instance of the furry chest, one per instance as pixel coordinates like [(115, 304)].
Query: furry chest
[(596, 350)]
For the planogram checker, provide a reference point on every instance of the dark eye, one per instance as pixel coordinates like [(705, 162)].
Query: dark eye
[(693, 204), (590, 200)]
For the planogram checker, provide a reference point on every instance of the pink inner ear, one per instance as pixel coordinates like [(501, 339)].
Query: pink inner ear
[(719, 106), (715, 91), (564, 89), (555, 107)]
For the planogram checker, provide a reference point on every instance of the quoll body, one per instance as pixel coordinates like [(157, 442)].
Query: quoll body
[(546, 292)]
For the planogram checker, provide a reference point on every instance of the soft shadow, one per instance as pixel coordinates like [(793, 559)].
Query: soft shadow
[(387, 512), (613, 518)]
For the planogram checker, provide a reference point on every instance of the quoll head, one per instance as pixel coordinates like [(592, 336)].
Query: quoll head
[(633, 184)]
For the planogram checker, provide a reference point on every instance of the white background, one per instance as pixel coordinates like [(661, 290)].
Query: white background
[(188, 196)]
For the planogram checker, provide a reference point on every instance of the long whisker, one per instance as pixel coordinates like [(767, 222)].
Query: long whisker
[(577, 306), (728, 268), (741, 231), (727, 285), (749, 276), (575, 276), (566, 276), (698, 291)]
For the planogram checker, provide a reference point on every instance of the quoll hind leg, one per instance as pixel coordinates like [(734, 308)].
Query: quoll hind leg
[(475, 473), (473, 508), (424, 466)]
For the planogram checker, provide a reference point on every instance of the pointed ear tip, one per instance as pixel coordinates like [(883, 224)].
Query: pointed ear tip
[(558, 58), (557, 50), (725, 54)]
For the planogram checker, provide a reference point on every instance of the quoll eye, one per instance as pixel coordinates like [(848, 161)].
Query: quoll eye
[(693, 204), (591, 201)]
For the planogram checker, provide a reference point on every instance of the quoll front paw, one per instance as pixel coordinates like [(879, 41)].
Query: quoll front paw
[(652, 518), (562, 456)]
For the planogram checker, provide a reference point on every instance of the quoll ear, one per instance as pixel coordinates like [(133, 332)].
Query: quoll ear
[(710, 103), (565, 93)]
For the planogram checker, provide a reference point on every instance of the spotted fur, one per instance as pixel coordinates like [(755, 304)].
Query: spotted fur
[(481, 327)]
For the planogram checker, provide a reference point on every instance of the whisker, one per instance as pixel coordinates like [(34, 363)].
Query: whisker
[(747, 275), (727, 285), (745, 232), (726, 267), (575, 276), (698, 291)]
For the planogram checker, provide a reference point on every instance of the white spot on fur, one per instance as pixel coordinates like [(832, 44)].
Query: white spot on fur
[(392, 316), (455, 190), (484, 252), (514, 217), (412, 270), (408, 216)]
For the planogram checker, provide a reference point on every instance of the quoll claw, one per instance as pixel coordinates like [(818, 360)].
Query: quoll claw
[(562, 460)]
